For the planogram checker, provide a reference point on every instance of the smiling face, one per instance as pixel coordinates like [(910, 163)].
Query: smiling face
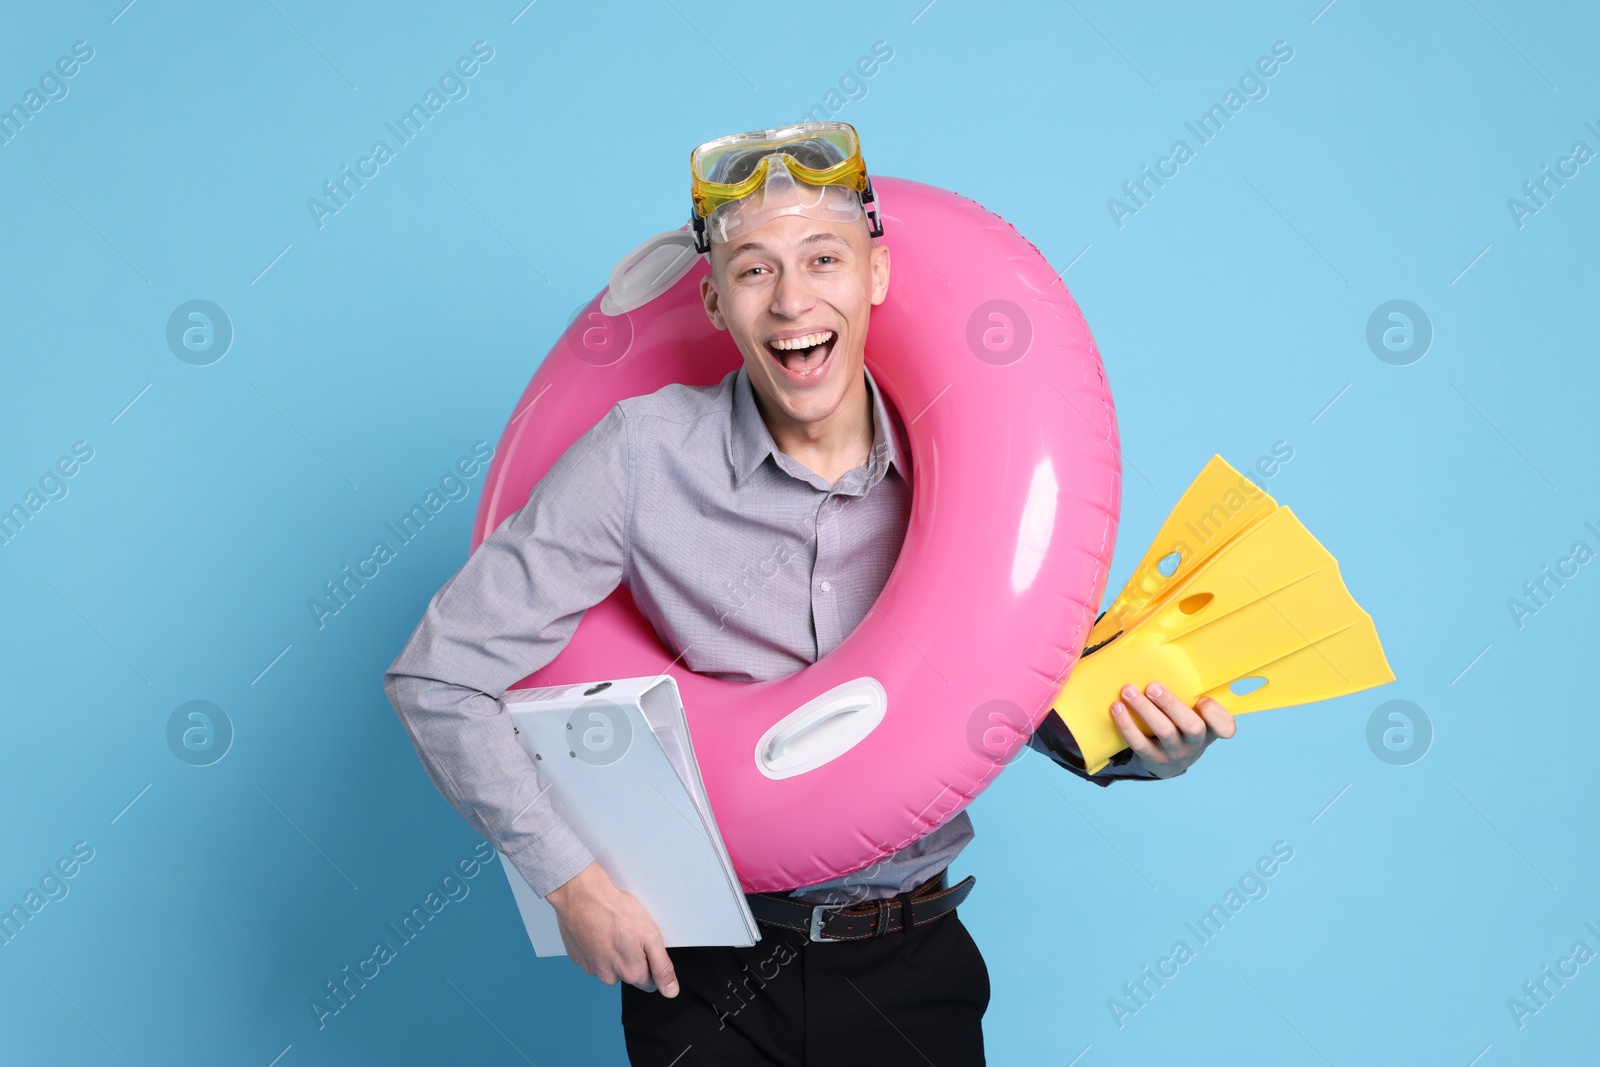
[(796, 294)]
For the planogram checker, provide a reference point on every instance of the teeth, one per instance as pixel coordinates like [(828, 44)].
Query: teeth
[(790, 343)]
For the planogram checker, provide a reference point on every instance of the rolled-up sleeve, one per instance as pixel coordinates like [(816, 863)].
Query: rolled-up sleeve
[(509, 610)]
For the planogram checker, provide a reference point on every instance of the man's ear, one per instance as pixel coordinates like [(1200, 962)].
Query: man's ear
[(880, 273), (712, 301)]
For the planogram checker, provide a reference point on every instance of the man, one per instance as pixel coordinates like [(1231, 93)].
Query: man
[(793, 463)]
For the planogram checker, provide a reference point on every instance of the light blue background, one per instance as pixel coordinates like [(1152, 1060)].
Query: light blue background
[(371, 353)]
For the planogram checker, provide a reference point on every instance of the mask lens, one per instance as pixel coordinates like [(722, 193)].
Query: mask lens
[(812, 169)]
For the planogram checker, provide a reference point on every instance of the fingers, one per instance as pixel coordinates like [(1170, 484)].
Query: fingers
[(1189, 724), (661, 967), (1161, 725), (1217, 717), (1180, 732), (632, 966), (641, 958), (1142, 745)]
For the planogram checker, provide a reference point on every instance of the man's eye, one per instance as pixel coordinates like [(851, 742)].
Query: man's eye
[(750, 270)]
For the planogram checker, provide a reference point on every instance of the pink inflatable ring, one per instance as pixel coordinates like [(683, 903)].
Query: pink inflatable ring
[(1015, 489)]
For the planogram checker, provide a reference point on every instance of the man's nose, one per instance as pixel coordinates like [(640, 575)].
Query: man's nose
[(793, 295)]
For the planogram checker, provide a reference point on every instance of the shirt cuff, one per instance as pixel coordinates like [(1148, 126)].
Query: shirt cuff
[(1055, 740), (552, 861)]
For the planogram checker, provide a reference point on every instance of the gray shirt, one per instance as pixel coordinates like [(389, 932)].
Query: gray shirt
[(746, 563)]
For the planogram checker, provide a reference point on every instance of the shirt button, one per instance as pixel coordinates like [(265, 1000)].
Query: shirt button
[(825, 586)]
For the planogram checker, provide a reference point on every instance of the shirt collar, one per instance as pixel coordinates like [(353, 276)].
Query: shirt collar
[(750, 442)]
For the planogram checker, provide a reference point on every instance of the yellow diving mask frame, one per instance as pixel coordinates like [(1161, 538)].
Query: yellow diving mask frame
[(737, 183)]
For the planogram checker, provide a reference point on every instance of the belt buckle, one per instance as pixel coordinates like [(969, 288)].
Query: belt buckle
[(817, 919)]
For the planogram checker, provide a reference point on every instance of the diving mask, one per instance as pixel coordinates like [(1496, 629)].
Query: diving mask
[(812, 169)]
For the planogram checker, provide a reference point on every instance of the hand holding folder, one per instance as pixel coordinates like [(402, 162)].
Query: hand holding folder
[(619, 766)]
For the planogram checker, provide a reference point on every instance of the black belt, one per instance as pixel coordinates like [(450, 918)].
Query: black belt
[(867, 919)]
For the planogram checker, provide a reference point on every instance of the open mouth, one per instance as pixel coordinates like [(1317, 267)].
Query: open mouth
[(803, 357)]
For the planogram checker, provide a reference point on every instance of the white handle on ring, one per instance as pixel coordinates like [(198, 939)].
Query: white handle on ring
[(822, 729), (648, 271)]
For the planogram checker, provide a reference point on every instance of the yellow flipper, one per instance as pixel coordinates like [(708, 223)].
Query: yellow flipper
[(1234, 590)]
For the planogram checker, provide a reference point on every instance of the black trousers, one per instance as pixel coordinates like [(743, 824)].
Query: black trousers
[(914, 997)]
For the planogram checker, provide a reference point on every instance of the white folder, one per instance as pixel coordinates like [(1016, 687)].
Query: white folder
[(618, 765)]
